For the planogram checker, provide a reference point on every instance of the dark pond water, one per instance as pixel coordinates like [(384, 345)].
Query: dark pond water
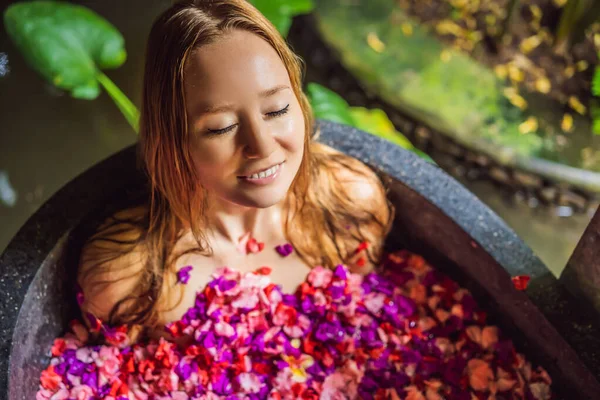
[(47, 138)]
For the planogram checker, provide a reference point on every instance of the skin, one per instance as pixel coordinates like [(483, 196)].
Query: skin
[(235, 71)]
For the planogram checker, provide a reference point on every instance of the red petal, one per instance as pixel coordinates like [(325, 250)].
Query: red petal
[(192, 350), (50, 379), (114, 388), (251, 246), (124, 389), (269, 289), (521, 281), (263, 271), (59, 347), (174, 329), (129, 366), (261, 368), (306, 289), (480, 317), (362, 246)]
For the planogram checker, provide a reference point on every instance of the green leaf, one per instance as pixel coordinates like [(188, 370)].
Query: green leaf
[(65, 43), (125, 105), (596, 82), (281, 12), (424, 155), (596, 127), (376, 122), (329, 105)]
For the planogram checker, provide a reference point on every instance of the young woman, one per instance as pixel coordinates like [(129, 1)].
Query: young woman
[(234, 171), (235, 174)]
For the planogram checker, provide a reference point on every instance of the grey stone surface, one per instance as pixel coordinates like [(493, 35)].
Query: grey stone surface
[(31, 282), (582, 273), (548, 324), (442, 190), (43, 318), (435, 216)]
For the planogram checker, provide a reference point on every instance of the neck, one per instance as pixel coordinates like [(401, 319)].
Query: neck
[(230, 222)]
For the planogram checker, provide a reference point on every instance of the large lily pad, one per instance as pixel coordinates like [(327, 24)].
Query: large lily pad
[(65, 43)]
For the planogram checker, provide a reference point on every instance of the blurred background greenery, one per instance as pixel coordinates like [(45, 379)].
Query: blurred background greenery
[(502, 94)]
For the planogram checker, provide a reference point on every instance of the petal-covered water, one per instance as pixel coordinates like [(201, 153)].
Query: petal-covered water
[(407, 333)]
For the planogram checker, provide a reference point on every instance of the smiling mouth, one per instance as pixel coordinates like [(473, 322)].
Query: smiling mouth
[(263, 174)]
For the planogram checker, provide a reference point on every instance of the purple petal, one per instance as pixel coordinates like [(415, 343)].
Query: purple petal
[(307, 305), (291, 350), (222, 385), (77, 368), (226, 285), (209, 341), (104, 390), (80, 298), (284, 250), (183, 275), (336, 292), (340, 272), (60, 369), (90, 379), (184, 370), (406, 306)]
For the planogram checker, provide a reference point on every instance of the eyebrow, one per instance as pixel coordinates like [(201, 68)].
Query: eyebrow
[(229, 107)]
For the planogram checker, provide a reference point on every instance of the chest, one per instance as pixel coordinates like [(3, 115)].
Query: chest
[(289, 272)]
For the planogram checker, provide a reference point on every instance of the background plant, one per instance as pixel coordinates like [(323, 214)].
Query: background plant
[(281, 12), (575, 19), (595, 110), (69, 45), (330, 106), (327, 104)]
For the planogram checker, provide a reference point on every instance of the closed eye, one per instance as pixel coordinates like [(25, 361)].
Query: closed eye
[(216, 132), (280, 112)]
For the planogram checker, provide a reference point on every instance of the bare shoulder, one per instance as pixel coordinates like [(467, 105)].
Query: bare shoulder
[(368, 196), (112, 263), (361, 182)]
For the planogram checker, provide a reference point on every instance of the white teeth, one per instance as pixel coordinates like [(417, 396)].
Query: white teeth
[(264, 174)]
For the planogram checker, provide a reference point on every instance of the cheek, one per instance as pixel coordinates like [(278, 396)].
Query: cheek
[(212, 159), (293, 132)]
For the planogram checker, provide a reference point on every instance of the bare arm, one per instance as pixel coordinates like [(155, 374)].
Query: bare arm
[(111, 268), (365, 188)]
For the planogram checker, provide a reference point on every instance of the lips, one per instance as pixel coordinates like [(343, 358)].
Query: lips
[(259, 170)]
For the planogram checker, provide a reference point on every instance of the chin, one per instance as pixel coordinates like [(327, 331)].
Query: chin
[(266, 199), (263, 197)]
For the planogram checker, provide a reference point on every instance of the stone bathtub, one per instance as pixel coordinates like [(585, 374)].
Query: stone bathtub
[(435, 217)]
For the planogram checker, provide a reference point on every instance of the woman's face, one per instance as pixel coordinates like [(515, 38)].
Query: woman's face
[(243, 118)]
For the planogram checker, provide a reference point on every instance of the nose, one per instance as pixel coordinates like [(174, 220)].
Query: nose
[(259, 141)]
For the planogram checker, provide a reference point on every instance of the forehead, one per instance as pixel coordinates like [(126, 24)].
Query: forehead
[(240, 62)]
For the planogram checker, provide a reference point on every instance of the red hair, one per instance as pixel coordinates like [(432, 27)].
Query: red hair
[(327, 220)]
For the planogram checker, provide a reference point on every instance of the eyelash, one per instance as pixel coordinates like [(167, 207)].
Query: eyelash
[(271, 114)]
